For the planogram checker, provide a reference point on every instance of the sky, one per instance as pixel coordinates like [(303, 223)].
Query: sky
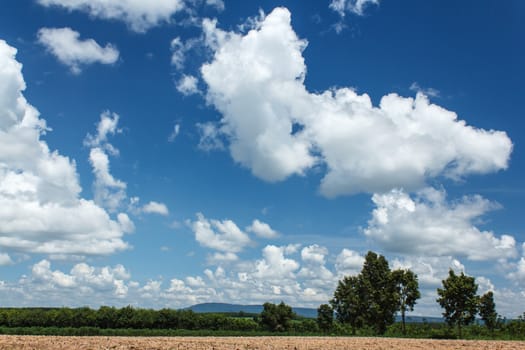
[(173, 152)]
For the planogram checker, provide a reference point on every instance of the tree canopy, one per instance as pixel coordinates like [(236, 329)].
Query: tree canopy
[(459, 299)]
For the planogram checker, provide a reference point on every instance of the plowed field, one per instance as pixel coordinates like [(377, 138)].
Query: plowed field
[(248, 343)]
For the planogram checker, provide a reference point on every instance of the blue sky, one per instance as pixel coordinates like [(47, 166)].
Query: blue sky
[(172, 152)]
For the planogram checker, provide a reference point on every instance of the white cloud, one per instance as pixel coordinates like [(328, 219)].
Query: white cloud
[(108, 125), (187, 85), (65, 45), (180, 49), (262, 229), (218, 4), (274, 265), (40, 206), (426, 91), (174, 133), (431, 271), (5, 259), (224, 235), (355, 6), (109, 192), (138, 15), (348, 262), (210, 137), (155, 208), (428, 224), (276, 128)]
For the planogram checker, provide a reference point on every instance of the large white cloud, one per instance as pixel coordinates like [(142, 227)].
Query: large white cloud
[(138, 15), (277, 128), (65, 45), (40, 207), (427, 224)]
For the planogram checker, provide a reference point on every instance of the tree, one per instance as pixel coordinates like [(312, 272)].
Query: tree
[(325, 317), (347, 302), (276, 317), (458, 298), (487, 310), (379, 292), (407, 289)]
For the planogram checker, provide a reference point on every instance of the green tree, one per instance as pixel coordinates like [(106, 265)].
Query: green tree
[(379, 292), (458, 298), (487, 310), (347, 302), (325, 317), (407, 289), (276, 318)]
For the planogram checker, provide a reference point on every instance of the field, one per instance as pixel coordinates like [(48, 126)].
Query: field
[(247, 343)]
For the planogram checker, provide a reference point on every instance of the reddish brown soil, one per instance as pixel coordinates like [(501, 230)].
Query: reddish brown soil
[(248, 343)]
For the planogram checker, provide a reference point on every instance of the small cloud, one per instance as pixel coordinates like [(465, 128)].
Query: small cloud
[(210, 137), (427, 91), (218, 4), (174, 133), (187, 85), (65, 45), (5, 259), (261, 229), (155, 208)]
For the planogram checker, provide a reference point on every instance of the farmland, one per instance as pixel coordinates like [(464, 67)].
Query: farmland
[(246, 343)]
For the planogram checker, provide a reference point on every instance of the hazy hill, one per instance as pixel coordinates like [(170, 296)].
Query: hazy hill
[(301, 311)]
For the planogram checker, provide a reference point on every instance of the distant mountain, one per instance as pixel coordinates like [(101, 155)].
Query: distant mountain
[(301, 311), (250, 309)]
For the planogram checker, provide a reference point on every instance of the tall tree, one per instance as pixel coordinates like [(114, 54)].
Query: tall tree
[(379, 297), (276, 317), (325, 317), (407, 289), (487, 310), (458, 298), (347, 302)]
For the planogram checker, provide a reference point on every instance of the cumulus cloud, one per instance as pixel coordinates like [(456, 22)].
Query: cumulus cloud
[(109, 192), (65, 45), (262, 229), (349, 262), (40, 206), (155, 208), (276, 128), (224, 236), (138, 15), (5, 259), (427, 224), (187, 85), (354, 6)]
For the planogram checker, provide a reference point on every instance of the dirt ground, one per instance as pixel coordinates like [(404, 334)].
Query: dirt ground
[(247, 343)]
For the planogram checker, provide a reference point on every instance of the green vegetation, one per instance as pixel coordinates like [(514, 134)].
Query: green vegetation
[(372, 298), (458, 298)]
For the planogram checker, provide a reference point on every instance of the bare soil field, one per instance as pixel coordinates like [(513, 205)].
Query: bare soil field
[(248, 343)]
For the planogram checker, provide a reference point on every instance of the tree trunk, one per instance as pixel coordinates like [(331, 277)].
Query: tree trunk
[(403, 321)]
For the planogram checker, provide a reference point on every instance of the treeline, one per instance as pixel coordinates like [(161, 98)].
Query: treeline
[(130, 318), (122, 318)]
